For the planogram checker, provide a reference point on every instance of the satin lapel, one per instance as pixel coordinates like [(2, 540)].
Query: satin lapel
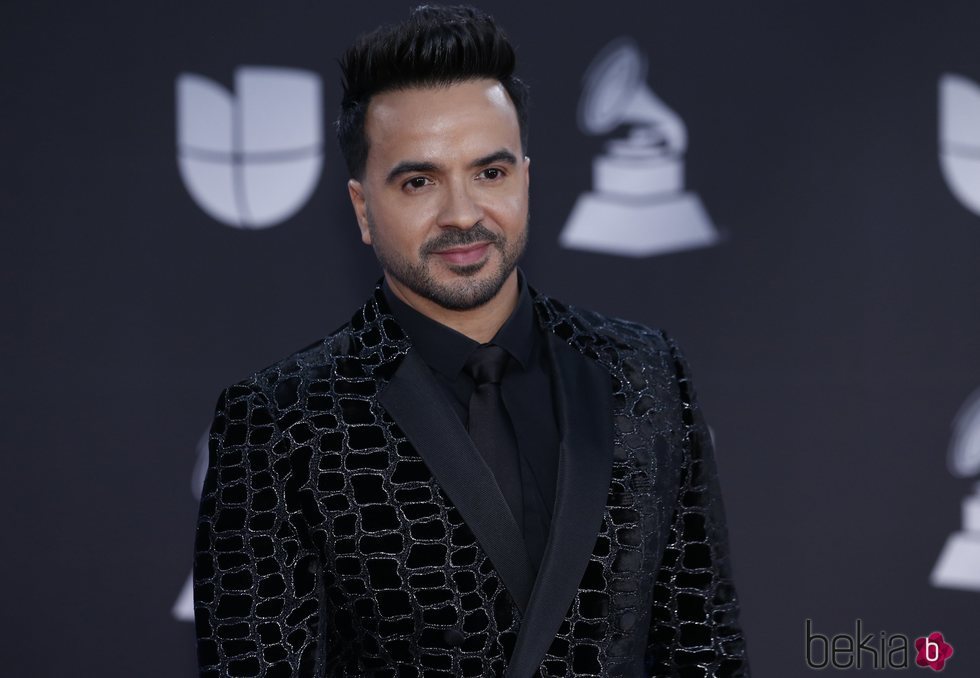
[(418, 405), (584, 391)]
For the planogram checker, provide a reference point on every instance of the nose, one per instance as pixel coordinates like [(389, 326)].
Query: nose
[(460, 209)]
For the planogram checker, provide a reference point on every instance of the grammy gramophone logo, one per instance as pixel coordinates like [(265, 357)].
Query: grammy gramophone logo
[(250, 159), (638, 206), (958, 566), (183, 609)]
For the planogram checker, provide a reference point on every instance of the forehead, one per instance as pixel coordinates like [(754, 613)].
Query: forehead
[(468, 117)]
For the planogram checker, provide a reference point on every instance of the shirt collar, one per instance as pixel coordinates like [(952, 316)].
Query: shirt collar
[(447, 350)]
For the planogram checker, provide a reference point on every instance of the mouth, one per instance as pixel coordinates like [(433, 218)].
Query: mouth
[(462, 256)]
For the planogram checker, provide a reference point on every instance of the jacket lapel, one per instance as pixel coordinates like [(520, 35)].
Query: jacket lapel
[(418, 405), (584, 393)]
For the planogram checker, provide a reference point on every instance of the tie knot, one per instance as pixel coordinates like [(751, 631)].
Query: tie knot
[(486, 364)]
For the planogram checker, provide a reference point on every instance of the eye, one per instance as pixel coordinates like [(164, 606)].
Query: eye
[(416, 183), (492, 173)]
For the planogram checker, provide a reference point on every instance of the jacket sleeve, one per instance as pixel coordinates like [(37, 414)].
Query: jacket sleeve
[(256, 602), (694, 627)]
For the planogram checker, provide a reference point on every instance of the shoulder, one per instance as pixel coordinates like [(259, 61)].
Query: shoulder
[(580, 325), (278, 385), (624, 347)]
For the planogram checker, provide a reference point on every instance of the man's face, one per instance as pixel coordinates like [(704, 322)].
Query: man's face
[(444, 196)]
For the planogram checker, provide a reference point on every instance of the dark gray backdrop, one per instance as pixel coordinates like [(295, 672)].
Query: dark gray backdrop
[(833, 335)]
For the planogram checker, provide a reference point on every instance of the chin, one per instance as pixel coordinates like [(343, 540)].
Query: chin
[(464, 295), (469, 270)]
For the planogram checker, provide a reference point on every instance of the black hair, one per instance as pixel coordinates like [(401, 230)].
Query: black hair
[(435, 46)]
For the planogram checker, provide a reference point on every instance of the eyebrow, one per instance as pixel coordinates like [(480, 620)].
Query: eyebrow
[(410, 166), (503, 155)]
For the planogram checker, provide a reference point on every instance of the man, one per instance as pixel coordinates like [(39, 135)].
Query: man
[(468, 478)]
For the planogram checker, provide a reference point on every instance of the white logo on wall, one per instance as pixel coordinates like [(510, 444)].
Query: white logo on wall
[(638, 206), (959, 157), (183, 609), (250, 159), (959, 138), (958, 566)]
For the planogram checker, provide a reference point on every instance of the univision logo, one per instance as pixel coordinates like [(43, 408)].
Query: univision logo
[(959, 138), (253, 158)]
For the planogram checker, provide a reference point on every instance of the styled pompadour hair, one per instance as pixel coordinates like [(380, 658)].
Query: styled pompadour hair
[(435, 46)]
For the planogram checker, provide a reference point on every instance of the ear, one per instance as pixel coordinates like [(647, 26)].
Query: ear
[(359, 202), (527, 173)]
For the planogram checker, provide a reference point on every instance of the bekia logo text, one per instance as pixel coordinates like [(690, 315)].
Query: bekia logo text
[(885, 651)]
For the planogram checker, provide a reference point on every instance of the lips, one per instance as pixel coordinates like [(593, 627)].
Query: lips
[(462, 256)]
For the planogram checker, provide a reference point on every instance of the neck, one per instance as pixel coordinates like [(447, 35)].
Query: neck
[(479, 324)]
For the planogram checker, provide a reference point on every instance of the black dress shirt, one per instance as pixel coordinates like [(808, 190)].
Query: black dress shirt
[(525, 389)]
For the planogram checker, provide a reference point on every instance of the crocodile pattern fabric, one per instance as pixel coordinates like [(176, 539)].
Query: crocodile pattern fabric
[(326, 546)]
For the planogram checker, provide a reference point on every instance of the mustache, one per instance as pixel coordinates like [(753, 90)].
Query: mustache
[(460, 238)]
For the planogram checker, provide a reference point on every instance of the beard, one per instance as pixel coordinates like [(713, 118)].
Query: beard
[(467, 291)]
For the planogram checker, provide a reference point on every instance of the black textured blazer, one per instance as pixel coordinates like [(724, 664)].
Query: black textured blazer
[(349, 527)]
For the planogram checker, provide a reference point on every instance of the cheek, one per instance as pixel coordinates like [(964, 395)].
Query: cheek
[(511, 212), (400, 225)]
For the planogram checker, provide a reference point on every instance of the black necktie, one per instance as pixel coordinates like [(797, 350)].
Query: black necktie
[(491, 428)]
